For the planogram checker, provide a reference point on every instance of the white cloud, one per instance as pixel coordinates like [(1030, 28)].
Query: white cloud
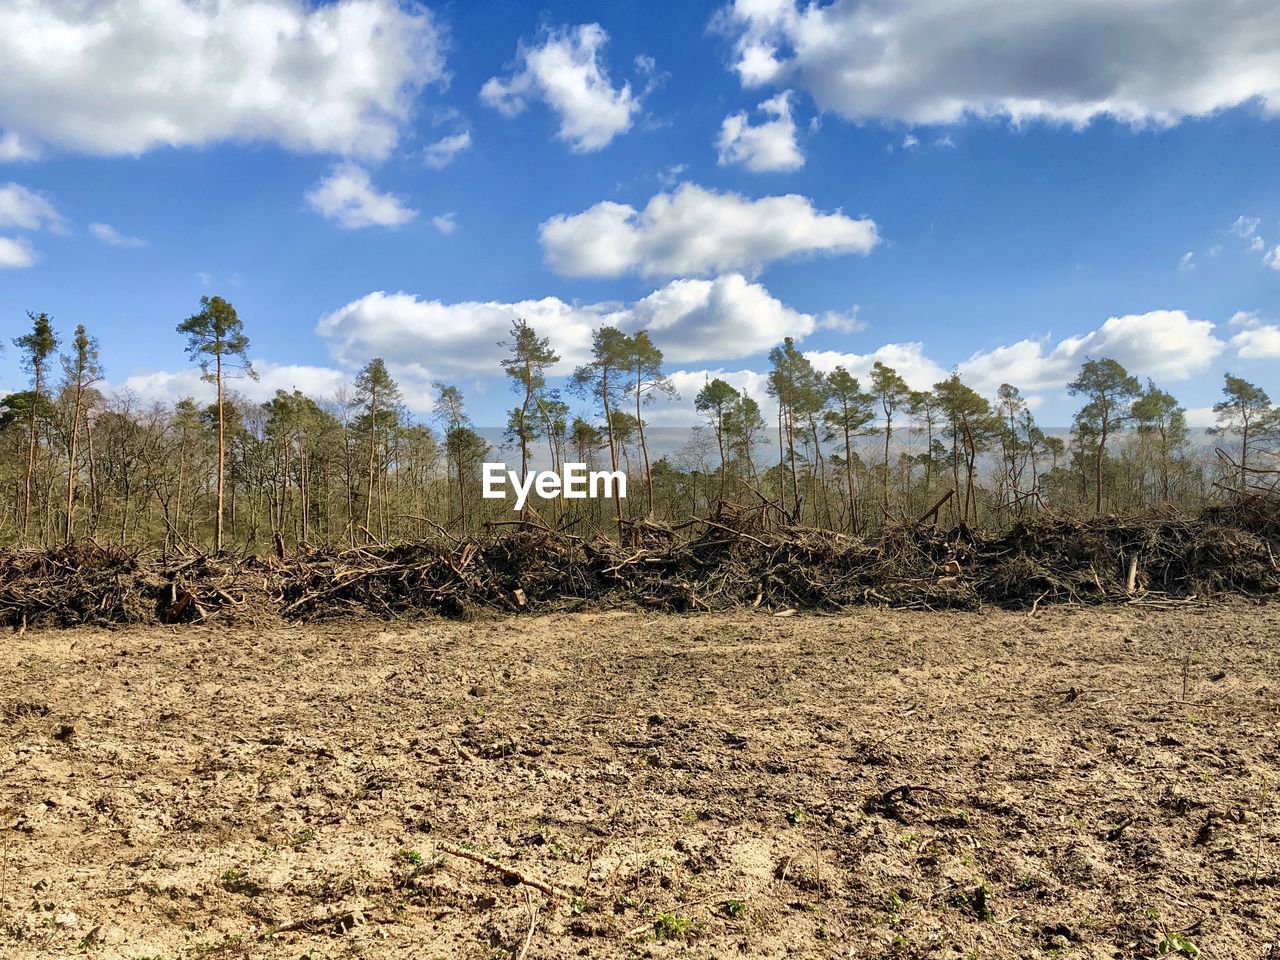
[(444, 151), (910, 142), (347, 196), (678, 411), (1200, 418), (1256, 340), (919, 371), (1272, 258), (168, 386), (847, 322), (724, 318), (1245, 227), (27, 210), (1187, 261), (13, 148), (566, 70), (763, 147), (429, 338), (126, 76), (695, 231), (113, 237), (15, 254), (446, 223), (923, 62), (669, 176), (690, 320), (1166, 345)]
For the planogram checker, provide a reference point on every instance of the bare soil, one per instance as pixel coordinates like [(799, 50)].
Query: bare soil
[(1080, 782)]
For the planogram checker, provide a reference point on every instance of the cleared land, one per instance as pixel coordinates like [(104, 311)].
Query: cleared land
[(1099, 782)]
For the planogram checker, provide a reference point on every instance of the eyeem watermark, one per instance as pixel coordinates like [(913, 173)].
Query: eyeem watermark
[(573, 482)]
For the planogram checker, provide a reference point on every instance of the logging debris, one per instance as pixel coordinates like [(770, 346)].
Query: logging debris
[(731, 560)]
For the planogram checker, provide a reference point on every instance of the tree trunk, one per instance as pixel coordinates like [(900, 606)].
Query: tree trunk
[(222, 448), (373, 432), (31, 450), (644, 448), (71, 458), (613, 447)]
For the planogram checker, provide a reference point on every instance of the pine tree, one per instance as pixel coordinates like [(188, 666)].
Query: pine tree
[(81, 370), (1247, 413), (215, 337), (37, 347), (715, 400), (849, 413), (891, 391), (379, 396), (530, 358), (1110, 390)]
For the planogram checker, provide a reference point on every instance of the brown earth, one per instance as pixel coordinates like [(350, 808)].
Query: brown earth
[(1091, 783)]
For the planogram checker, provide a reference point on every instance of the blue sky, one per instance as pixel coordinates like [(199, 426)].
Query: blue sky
[(1011, 198)]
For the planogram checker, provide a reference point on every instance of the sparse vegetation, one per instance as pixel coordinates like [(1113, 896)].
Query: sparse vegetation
[(299, 469)]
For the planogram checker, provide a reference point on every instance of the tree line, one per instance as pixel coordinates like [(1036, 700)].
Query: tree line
[(843, 452)]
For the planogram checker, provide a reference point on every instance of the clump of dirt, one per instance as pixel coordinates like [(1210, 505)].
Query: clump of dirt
[(1093, 782)]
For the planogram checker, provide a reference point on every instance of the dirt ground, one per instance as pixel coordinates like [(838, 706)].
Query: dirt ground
[(1077, 783)]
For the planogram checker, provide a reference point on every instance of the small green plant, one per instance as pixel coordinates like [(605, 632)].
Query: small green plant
[(411, 857), (1175, 944), (233, 875), (578, 906), (795, 816), (302, 837), (734, 909), (976, 902), (671, 926)]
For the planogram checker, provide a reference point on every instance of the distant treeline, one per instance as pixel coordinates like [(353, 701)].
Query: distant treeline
[(842, 453)]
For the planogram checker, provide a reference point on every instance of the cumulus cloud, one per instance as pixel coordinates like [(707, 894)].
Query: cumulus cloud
[(113, 237), (430, 338), (566, 71), (762, 147), (126, 76), (168, 386), (724, 318), (696, 231), (1187, 261), (347, 196), (25, 209), (678, 411), (847, 321), (918, 370), (16, 254), (1166, 345), (444, 151), (446, 223), (1256, 340), (923, 62), (690, 320)]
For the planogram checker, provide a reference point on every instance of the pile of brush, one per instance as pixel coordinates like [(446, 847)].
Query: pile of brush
[(730, 560)]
